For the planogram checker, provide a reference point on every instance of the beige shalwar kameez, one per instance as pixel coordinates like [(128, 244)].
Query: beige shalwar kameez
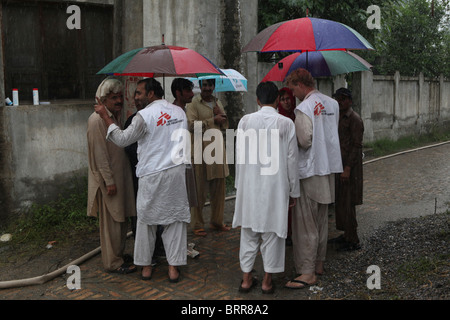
[(109, 165), (209, 177), (310, 216)]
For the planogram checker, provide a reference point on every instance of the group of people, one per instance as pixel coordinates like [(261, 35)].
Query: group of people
[(138, 172), (320, 163), (318, 149)]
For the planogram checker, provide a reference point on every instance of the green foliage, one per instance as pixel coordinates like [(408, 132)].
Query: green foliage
[(414, 35), (419, 269), (384, 147), (413, 40), (54, 221)]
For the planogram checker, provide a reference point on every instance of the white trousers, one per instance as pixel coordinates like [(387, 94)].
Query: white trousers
[(174, 238), (272, 250)]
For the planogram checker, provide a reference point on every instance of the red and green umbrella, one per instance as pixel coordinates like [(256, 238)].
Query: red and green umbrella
[(320, 64), (159, 61), (307, 34)]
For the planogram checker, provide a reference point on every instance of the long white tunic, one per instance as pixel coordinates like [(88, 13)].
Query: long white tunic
[(266, 171), (162, 196)]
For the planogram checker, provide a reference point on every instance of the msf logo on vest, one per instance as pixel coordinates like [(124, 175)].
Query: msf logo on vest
[(318, 109), (162, 120)]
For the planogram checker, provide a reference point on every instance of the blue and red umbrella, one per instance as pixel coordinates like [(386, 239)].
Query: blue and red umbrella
[(307, 34), (320, 64)]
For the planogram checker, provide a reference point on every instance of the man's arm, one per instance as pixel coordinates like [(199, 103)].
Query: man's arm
[(121, 138), (303, 129), (100, 155)]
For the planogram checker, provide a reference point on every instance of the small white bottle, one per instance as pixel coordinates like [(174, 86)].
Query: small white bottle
[(15, 97), (35, 97)]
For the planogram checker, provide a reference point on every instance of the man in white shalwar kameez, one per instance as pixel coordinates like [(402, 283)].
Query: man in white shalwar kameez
[(162, 198), (266, 186)]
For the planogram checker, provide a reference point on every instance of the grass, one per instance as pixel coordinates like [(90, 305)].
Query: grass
[(58, 220), (384, 147), (419, 270)]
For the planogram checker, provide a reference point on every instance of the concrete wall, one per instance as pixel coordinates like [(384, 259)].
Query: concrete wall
[(43, 149), (218, 29), (396, 106)]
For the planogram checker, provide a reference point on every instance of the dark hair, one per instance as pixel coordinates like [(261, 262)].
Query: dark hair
[(153, 85), (267, 92), (211, 82), (343, 92), (180, 84)]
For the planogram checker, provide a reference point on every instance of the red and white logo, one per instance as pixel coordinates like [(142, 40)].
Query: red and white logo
[(162, 120), (318, 109)]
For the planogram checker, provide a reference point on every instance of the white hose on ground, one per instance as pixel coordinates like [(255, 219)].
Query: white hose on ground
[(49, 276), (44, 278)]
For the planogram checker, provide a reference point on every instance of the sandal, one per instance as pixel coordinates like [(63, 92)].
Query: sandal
[(247, 290), (125, 269), (200, 232), (223, 227), (304, 284)]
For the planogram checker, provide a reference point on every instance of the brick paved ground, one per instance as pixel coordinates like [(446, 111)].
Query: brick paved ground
[(411, 182)]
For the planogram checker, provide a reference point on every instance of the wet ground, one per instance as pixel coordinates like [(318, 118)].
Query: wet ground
[(405, 186)]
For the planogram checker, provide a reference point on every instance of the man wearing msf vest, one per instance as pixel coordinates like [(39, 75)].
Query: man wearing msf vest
[(317, 119), (162, 197)]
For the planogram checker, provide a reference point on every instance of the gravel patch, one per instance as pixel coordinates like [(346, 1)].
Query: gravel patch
[(413, 258)]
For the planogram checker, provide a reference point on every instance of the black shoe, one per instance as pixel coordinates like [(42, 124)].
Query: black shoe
[(349, 247), (339, 239)]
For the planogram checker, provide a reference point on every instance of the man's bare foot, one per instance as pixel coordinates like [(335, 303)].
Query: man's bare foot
[(303, 281), (267, 286), (319, 268), (146, 273), (174, 274)]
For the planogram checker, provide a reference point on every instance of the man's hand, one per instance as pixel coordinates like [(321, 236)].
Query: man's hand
[(345, 176), (217, 110), (292, 202), (220, 119), (111, 190), (219, 116), (100, 109)]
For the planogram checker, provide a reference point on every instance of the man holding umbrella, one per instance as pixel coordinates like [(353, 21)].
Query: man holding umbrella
[(317, 119)]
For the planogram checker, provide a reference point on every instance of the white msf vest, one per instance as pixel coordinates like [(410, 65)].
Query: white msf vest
[(160, 149), (324, 155)]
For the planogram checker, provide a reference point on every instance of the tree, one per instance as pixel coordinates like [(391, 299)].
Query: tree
[(414, 38), (349, 12), (414, 35)]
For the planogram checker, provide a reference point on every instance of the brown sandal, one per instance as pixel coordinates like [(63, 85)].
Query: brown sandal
[(200, 232), (223, 227)]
